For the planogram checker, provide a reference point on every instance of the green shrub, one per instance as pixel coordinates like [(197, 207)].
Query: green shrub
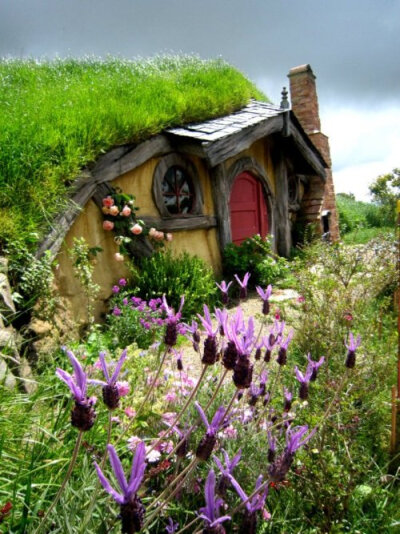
[(175, 276), (255, 256)]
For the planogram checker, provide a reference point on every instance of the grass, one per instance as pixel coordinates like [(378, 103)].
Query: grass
[(364, 235), (58, 117)]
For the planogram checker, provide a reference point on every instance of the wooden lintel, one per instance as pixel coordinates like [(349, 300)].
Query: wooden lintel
[(181, 223), (308, 154)]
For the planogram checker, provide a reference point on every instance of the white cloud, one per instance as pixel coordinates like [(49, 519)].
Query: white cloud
[(364, 144)]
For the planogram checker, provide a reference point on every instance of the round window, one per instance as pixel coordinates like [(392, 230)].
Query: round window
[(178, 191)]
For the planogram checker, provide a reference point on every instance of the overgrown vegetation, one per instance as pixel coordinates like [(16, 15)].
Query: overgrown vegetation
[(58, 117)]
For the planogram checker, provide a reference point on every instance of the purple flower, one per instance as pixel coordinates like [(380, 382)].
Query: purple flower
[(210, 354), (171, 527), (224, 287), (111, 393), (207, 443), (288, 400), (171, 331), (222, 318), (314, 366), (283, 346), (230, 465), (122, 282), (271, 446), (351, 350), (253, 505), (243, 285), (294, 438), (210, 512), (265, 298), (82, 415), (304, 380), (115, 289), (132, 509), (116, 311)]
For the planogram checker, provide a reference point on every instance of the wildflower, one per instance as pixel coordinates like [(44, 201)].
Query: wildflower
[(122, 282), (224, 288), (132, 511), (133, 442), (171, 332), (116, 311), (171, 396), (229, 432), (222, 318), (265, 298), (283, 346), (108, 225), (287, 395), (207, 443), (351, 348), (115, 289), (223, 481), (130, 412), (193, 329), (252, 506), (243, 285), (83, 414), (136, 229), (123, 388), (111, 391), (314, 366), (210, 512), (301, 299)]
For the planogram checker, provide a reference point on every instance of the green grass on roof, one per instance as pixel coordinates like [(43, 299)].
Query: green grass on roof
[(56, 117)]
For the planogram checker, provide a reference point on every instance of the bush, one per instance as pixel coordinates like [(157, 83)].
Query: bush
[(175, 276), (255, 256)]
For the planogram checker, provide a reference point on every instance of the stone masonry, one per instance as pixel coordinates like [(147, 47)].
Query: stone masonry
[(304, 101)]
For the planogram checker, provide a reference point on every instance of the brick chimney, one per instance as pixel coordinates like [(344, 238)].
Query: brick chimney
[(304, 98)]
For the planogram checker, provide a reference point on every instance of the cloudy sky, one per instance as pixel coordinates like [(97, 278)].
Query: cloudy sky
[(353, 47)]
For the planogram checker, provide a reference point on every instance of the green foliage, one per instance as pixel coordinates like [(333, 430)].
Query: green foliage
[(175, 276), (57, 117), (385, 192), (354, 214), (255, 255)]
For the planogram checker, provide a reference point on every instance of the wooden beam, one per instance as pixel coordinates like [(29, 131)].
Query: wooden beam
[(282, 225), (124, 159), (306, 151), (229, 146), (182, 223), (220, 193)]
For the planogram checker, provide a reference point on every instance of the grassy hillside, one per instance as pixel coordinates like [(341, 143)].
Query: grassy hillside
[(56, 117)]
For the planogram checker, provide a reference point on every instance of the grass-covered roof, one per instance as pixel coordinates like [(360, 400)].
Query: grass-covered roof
[(57, 117)]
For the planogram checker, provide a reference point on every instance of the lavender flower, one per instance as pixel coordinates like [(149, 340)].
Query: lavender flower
[(256, 503), (224, 287), (111, 394), (83, 414), (208, 441), (210, 354), (351, 348), (283, 346), (193, 329), (132, 509), (304, 380), (265, 298), (210, 512), (314, 366), (223, 481), (271, 446), (222, 318), (288, 396), (243, 285), (171, 331), (172, 526)]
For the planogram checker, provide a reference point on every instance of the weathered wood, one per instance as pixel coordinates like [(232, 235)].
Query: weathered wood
[(110, 168), (62, 224), (220, 193), (182, 223), (311, 156), (233, 144), (282, 224)]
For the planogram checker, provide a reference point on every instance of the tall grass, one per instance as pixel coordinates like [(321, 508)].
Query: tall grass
[(56, 117)]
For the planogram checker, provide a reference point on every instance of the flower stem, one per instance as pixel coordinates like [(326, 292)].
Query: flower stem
[(188, 525), (64, 483), (97, 486)]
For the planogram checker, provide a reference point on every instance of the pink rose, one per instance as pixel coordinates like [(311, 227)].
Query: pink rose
[(152, 232), (168, 237), (136, 229), (108, 225), (126, 211), (114, 210), (108, 202), (118, 257)]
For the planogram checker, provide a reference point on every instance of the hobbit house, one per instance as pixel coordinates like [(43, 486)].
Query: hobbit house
[(264, 169)]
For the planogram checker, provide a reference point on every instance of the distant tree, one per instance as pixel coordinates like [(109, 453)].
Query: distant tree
[(385, 191), (350, 196)]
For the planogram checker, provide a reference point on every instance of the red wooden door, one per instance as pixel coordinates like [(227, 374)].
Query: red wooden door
[(248, 209)]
